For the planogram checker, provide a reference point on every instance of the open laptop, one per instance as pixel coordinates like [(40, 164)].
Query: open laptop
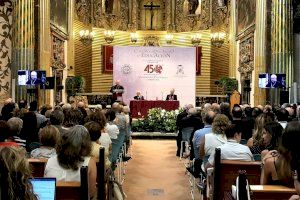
[(44, 188)]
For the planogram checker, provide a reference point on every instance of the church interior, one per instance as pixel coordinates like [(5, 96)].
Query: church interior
[(69, 38), (57, 52)]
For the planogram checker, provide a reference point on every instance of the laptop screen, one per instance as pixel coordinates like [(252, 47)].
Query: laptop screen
[(44, 188)]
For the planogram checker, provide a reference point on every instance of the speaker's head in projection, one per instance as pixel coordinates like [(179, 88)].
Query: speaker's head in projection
[(117, 82), (273, 83)]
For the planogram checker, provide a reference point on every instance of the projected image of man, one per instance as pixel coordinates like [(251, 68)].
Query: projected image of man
[(274, 83), (33, 79)]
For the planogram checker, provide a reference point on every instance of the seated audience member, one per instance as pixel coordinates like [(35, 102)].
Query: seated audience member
[(111, 128), (29, 131), (73, 152), (41, 119), (290, 141), (138, 96), (237, 114), (81, 108), (126, 112), (57, 119), (232, 149), (225, 110), (45, 108), (272, 134), (199, 134), (248, 121), (172, 96), (255, 143), (282, 117), (277, 166), (22, 104), (15, 173), (212, 140), (72, 118), (49, 138), (5, 135), (7, 109), (215, 107), (94, 129), (255, 113), (15, 127), (66, 107)]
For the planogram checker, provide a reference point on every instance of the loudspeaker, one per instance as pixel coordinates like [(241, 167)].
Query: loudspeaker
[(284, 97), (49, 84), (60, 87)]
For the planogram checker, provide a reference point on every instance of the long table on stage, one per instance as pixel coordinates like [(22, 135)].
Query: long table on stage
[(140, 109)]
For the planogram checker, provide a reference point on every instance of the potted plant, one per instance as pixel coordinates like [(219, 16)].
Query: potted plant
[(228, 84), (75, 85)]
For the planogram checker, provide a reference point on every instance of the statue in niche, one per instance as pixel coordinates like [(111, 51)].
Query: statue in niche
[(192, 6), (112, 6), (109, 6)]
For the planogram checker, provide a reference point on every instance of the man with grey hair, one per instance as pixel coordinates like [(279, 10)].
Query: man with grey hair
[(15, 126), (208, 119), (57, 119)]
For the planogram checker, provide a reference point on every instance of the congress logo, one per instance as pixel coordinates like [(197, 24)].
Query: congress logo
[(180, 70), (126, 69)]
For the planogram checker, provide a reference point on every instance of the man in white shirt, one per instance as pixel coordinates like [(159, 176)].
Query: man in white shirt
[(232, 149)]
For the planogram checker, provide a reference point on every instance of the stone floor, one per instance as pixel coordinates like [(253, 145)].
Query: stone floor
[(155, 172)]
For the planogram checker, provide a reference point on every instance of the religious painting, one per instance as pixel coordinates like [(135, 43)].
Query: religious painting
[(246, 12), (198, 60), (107, 59), (59, 10), (192, 7)]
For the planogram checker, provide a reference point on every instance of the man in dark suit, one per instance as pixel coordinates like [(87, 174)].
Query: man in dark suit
[(138, 96), (171, 96), (274, 83), (33, 79), (117, 91)]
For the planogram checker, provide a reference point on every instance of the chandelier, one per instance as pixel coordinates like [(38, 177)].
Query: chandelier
[(86, 37), (133, 37), (196, 39), (109, 36), (217, 39), (169, 38)]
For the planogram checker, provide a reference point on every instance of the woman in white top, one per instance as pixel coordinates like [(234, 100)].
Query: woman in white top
[(212, 140), (73, 152)]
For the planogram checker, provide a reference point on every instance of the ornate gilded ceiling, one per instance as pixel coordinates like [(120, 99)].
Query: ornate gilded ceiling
[(170, 15)]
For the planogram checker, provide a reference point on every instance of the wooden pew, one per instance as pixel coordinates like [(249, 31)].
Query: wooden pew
[(74, 190), (271, 192), (226, 172), (37, 166)]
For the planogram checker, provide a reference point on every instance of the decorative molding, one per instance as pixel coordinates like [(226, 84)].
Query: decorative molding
[(192, 22), (5, 48), (112, 21), (83, 9), (151, 40), (58, 52), (220, 15), (246, 59)]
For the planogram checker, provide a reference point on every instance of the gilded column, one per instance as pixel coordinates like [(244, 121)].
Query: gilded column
[(23, 39), (282, 41), (260, 42), (232, 40)]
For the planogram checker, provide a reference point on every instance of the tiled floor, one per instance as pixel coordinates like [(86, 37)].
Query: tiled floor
[(155, 172)]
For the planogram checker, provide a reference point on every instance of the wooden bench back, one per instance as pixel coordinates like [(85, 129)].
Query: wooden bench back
[(37, 166), (74, 190), (271, 192), (226, 172)]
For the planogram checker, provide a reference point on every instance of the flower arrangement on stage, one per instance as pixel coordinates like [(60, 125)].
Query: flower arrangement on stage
[(158, 120)]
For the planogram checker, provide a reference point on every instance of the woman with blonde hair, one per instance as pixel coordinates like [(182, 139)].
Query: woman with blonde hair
[(212, 140), (15, 174)]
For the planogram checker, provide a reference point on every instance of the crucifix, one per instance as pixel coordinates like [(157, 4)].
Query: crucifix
[(151, 7)]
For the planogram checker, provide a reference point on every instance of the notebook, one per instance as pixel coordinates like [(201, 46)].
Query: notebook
[(44, 188)]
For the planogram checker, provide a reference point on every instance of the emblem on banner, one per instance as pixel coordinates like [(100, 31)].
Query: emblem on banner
[(126, 69), (180, 70)]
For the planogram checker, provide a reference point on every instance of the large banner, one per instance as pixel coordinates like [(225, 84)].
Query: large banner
[(155, 71)]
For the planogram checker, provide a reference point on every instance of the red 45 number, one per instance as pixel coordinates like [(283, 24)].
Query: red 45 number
[(153, 69)]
